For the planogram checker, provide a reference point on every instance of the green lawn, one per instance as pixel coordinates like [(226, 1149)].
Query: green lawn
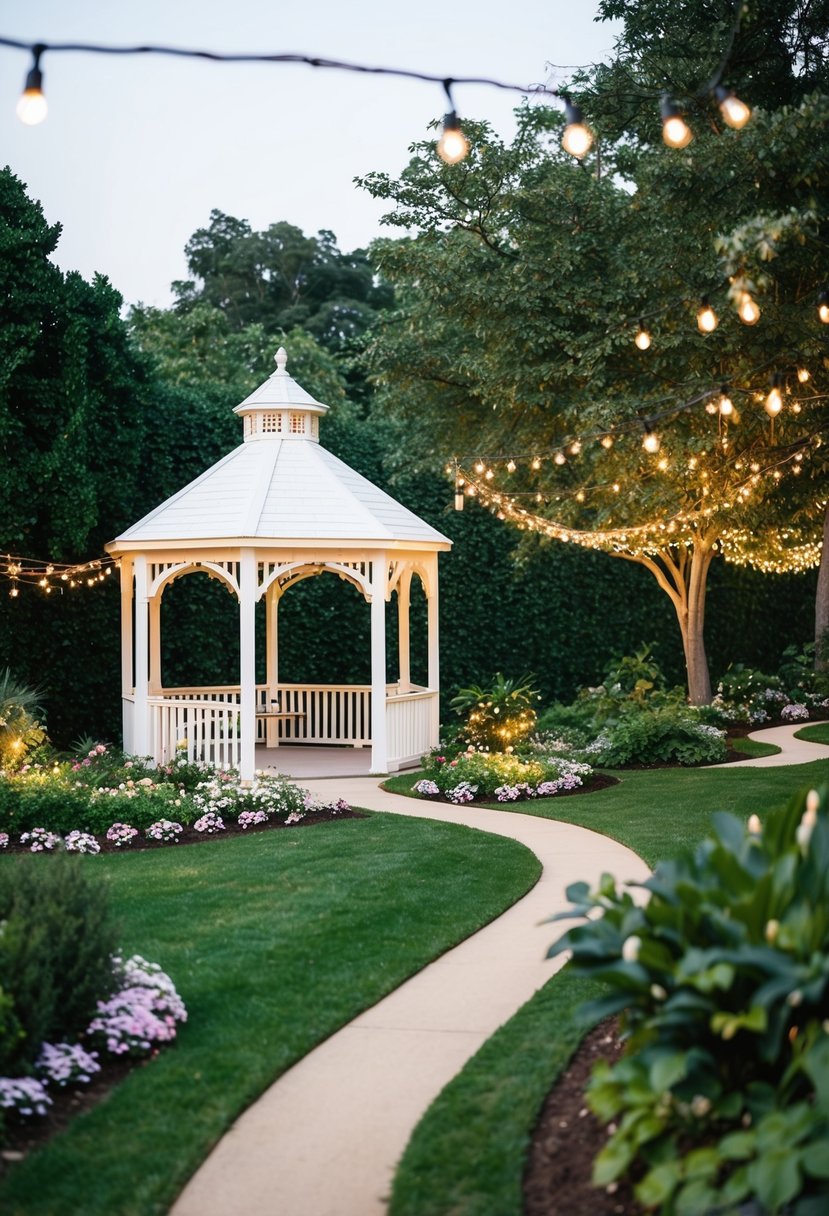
[(819, 733), (274, 942), (466, 1157)]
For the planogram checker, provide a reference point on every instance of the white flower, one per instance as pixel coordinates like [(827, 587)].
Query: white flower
[(771, 931), (807, 823), (630, 949), (754, 825), (700, 1106), (658, 992)]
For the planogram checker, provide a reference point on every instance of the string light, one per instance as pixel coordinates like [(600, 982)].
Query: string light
[(33, 572), (823, 306), (707, 320), (511, 466), (803, 375), (453, 145), (607, 442), (577, 138), (675, 130), (32, 107), (747, 310), (651, 442), (735, 112), (725, 405), (643, 338), (774, 401)]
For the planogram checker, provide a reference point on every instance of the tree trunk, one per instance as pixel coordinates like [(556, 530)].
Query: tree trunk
[(822, 601), (683, 575)]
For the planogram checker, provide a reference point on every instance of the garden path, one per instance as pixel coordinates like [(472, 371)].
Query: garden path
[(792, 750), (325, 1138)]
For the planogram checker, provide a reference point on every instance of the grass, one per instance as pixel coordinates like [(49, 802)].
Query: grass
[(752, 747), (819, 733), (657, 812), (471, 1143), (274, 942)]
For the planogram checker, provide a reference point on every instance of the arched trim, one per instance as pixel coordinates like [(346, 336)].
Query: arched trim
[(225, 572), (294, 572)]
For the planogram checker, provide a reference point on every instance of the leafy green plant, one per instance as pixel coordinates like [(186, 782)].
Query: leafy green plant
[(722, 982), (20, 728), (499, 715), (668, 735), (56, 945)]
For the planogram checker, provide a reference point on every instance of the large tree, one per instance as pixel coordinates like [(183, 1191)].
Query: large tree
[(518, 301), (280, 278)]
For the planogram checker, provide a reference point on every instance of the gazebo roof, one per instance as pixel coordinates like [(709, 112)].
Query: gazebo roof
[(281, 487)]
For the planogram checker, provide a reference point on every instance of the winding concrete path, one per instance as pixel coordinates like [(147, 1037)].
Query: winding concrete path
[(792, 751), (324, 1140)]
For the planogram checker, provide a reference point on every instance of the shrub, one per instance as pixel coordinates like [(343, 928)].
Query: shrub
[(56, 944), (722, 981), (666, 735), (20, 729), (499, 715)]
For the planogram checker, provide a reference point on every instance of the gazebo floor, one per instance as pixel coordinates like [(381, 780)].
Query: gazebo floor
[(309, 762)]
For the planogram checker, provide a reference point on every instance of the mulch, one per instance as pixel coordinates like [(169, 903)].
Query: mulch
[(190, 836), (567, 1136)]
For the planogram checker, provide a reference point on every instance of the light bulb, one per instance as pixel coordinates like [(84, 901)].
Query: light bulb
[(560, 458), (32, 107), (735, 112), (479, 466), (707, 320), (803, 374), (726, 405), (510, 466), (14, 592), (747, 310), (575, 447), (536, 463), (453, 144), (643, 338), (459, 500), (577, 138), (675, 130), (607, 442), (774, 402), (710, 407), (823, 306), (651, 442)]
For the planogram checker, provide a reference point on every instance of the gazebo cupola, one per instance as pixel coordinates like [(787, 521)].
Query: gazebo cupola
[(275, 510), (280, 408)]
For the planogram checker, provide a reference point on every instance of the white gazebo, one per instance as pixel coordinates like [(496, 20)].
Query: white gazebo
[(275, 510)]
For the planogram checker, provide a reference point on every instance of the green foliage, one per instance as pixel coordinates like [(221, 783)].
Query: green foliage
[(722, 981), (280, 278), (20, 729), (668, 734), (499, 715), (56, 945)]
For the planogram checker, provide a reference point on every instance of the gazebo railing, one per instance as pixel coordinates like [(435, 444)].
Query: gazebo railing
[(204, 722), (207, 729)]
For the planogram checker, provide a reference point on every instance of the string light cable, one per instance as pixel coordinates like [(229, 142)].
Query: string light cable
[(54, 576), (577, 138)]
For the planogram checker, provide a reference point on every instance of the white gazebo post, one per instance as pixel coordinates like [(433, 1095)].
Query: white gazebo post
[(379, 583), (247, 664), (433, 677), (272, 659), (154, 605), (404, 600), (127, 686), (141, 725)]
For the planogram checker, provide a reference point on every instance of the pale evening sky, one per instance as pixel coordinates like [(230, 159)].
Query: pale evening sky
[(137, 150)]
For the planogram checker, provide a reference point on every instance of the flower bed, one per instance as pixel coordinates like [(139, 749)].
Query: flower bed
[(498, 777), (143, 1013), (105, 801)]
